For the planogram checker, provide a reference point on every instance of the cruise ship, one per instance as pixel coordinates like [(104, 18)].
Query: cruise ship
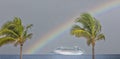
[(68, 51)]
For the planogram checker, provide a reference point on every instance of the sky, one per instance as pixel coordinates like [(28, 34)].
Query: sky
[(48, 15)]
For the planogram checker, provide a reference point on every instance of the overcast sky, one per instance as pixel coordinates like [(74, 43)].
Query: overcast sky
[(47, 15)]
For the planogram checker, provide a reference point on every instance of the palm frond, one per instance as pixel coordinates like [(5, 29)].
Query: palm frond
[(6, 40), (8, 32), (77, 27), (100, 37), (85, 23), (17, 21), (80, 33), (29, 26), (98, 27), (8, 24), (20, 30), (29, 36)]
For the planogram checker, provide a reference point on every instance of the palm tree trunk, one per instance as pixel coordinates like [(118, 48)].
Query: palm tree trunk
[(21, 51), (93, 52)]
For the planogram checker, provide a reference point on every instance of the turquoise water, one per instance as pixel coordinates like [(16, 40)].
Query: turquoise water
[(54, 56)]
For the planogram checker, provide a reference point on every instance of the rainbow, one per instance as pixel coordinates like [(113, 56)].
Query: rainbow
[(105, 7), (43, 41)]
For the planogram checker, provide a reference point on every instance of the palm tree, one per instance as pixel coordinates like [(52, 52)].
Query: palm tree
[(16, 31), (89, 28)]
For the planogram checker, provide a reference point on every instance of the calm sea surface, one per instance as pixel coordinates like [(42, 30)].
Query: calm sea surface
[(54, 56)]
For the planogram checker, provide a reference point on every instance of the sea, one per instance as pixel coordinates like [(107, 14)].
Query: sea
[(56, 56)]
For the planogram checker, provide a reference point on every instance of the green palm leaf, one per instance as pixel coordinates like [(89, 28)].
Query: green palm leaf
[(29, 26), (100, 37), (8, 32), (80, 33), (29, 35), (6, 40)]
